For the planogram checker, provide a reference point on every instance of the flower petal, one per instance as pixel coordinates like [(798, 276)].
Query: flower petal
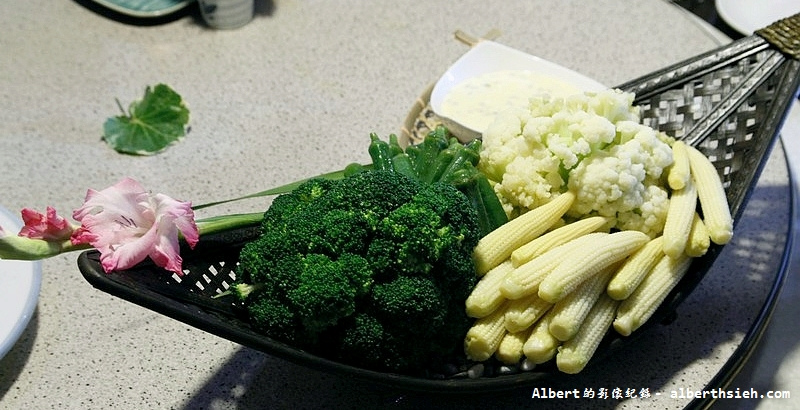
[(183, 216), (50, 227), (127, 224), (166, 252), (128, 254)]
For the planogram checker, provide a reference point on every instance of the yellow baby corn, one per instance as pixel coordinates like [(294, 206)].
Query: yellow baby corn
[(584, 263), (541, 346), (713, 201), (556, 237), (485, 335), (486, 296), (682, 206), (678, 173), (510, 349), (569, 313), (522, 313), (640, 306), (575, 353), (634, 269), (698, 238), (525, 279), (497, 245)]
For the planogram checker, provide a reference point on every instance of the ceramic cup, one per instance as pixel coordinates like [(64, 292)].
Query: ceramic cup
[(227, 14)]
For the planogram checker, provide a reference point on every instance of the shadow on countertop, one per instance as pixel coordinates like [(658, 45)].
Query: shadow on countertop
[(262, 8), (12, 364)]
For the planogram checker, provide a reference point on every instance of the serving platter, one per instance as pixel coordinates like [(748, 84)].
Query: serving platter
[(19, 290), (739, 152)]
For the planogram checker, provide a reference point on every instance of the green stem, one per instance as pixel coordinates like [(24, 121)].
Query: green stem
[(119, 104), (223, 223), (21, 248), (27, 249)]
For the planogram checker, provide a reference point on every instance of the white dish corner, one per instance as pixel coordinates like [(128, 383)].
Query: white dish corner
[(487, 57), (20, 282), (747, 16)]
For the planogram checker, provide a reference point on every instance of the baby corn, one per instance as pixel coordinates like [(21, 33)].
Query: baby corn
[(633, 270), (678, 173), (569, 313), (713, 201), (485, 335), (497, 245), (485, 296), (698, 238), (541, 346), (525, 279), (575, 353), (580, 266), (640, 306), (682, 206), (510, 349), (556, 237), (522, 313)]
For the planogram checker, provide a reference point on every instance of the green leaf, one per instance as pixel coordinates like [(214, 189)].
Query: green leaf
[(150, 125), (334, 175)]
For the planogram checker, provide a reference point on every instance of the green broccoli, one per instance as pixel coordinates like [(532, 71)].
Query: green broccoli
[(372, 270), (327, 290), (402, 327), (273, 316), (410, 299)]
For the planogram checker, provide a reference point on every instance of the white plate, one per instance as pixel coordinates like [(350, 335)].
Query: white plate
[(747, 16), (19, 289), (487, 57), (145, 8)]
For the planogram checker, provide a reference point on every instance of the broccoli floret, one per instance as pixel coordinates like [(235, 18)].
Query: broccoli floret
[(284, 206), (378, 192), (408, 240), (301, 297), (456, 272), (362, 340), (411, 322), (370, 269), (327, 290), (271, 315), (415, 235), (410, 299), (278, 271)]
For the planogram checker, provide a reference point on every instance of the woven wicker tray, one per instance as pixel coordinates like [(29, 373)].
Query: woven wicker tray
[(729, 102)]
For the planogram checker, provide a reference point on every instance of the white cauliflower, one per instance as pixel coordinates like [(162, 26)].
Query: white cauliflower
[(592, 144)]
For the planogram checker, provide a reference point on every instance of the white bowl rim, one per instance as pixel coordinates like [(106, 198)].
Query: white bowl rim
[(488, 56)]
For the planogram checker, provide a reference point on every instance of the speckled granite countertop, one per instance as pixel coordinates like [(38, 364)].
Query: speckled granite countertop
[(292, 94)]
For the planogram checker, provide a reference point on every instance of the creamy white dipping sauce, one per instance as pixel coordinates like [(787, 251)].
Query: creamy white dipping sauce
[(476, 102)]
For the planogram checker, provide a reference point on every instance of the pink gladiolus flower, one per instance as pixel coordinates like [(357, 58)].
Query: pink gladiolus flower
[(49, 227), (127, 224)]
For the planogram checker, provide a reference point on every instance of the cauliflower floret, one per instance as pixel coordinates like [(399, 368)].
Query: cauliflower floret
[(591, 144), (606, 184), (613, 105), (651, 214), (658, 154), (503, 143), (529, 181)]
